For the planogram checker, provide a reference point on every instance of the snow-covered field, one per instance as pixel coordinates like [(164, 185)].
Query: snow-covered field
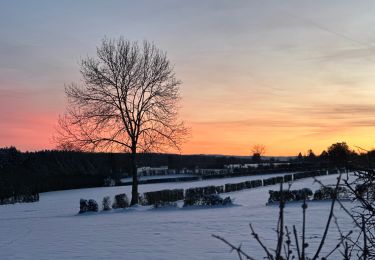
[(51, 228)]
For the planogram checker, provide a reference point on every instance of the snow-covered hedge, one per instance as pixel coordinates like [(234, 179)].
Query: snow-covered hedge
[(88, 206), (326, 193), (31, 197), (163, 196), (208, 190), (229, 187), (234, 186), (273, 180), (121, 201), (207, 200), (288, 177), (290, 195)]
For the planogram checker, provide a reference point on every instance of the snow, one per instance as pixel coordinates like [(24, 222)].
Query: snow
[(52, 229)]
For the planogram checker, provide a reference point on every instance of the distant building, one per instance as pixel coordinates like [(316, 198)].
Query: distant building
[(253, 165), (208, 172), (151, 171)]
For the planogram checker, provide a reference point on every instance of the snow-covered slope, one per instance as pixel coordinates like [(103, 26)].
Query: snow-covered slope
[(51, 228)]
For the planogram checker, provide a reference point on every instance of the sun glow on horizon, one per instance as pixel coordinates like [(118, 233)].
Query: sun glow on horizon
[(296, 76)]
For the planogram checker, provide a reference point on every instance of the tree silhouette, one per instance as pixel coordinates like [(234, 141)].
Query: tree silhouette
[(339, 154), (128, 102), (258, 151)]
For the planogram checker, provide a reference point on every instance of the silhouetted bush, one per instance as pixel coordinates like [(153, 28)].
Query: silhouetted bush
[(256, 183), (207, 200), (288, 177), (106, 203), (163, 196), (273, 181), (229, 187), (121, 201), (199, 191), (83, 206), (327, 193), (93, 205), (290, 195), (302, 194), (20, 198)]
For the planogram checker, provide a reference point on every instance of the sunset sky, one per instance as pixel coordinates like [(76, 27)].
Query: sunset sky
[(291, 75)]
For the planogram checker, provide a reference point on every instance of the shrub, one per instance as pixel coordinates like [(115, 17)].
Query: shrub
[(83, 206), (324, 193), (87, 206), (93, 206), (327, 193), (275, 196), (106, 203), (204, 190), (288, 177), (290, 195), (207, 200), (219, 189), (247, 184), (235, 186), (269, 181), (121, 201), (256, 183), (142, 200), (230, 187), (20, 198), (303, 194), (163, 196)]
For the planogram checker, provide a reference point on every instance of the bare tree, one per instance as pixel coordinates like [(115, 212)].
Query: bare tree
[(128, 102), (258, 149)]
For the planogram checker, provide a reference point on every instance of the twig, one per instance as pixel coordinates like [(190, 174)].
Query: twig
[(280, 228), (237, 249), (297, 243), (256, 236), (304, 207), (334, 197)]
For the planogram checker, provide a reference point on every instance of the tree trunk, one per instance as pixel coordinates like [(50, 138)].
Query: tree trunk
[(133, 161)]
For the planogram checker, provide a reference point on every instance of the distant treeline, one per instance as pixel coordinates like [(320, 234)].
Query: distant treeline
[(32, 172)]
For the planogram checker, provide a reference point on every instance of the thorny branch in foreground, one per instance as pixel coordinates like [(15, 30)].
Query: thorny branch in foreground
[(282, 232)]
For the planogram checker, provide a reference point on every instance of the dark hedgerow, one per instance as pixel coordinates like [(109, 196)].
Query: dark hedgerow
[(288, 177), (207, 200), (163, 196), (87, 206), (290, 195)]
